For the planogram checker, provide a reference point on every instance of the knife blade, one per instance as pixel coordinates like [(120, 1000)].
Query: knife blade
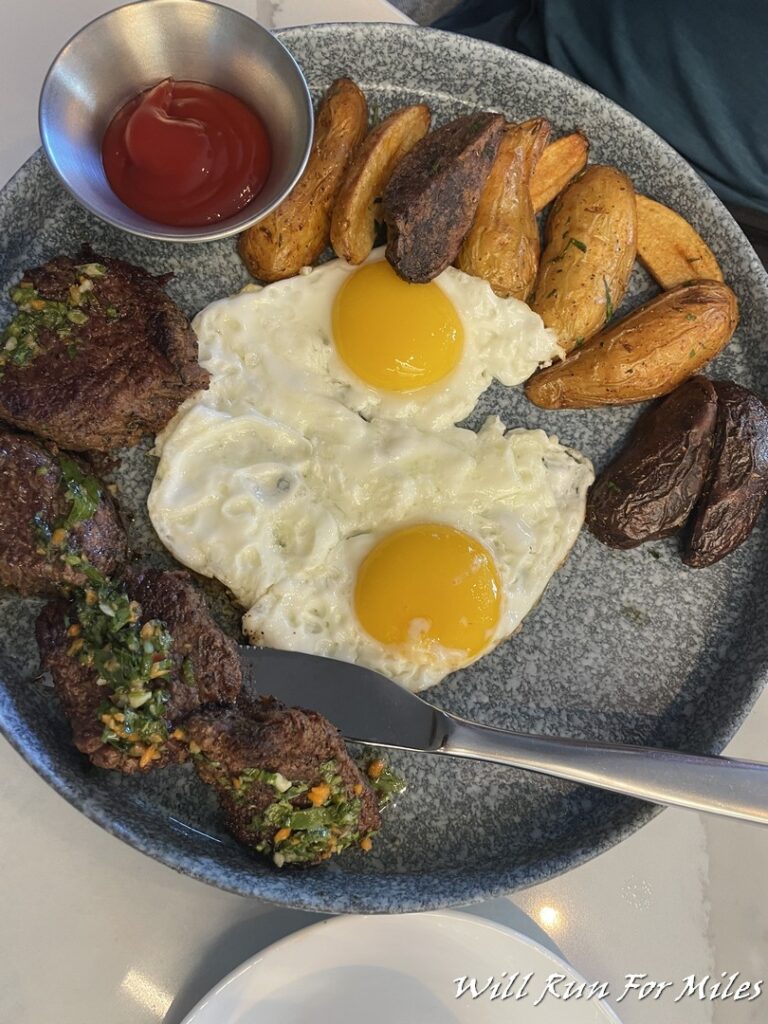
[(362, 704), (370, 708)]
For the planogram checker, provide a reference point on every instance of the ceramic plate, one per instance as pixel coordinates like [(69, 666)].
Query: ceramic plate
[(404, 968), (625, 646)]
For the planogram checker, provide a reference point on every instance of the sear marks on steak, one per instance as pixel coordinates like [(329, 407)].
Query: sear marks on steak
[(737, 487), (99, 354), (651, 488), (430, 200), (205, 669), (52, 512), (285, 780)]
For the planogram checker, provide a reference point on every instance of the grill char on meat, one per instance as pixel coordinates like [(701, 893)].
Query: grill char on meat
[(120, 374)]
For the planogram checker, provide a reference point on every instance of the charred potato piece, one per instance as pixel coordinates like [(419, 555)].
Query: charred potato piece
[(560, 161), (296, 233), (670, 249), (431, 198), (56, 518), (650, 489), (645, 355), (588, 256), (353, 227), (503, 243), (737, 487)]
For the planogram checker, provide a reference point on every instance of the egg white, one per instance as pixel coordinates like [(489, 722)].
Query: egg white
[(282, 334), (283, 508)]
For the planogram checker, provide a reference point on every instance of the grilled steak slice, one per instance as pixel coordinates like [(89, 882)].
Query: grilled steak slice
[(431, 198), (197, 666), (53, 514), (97, 355), (287, 784)]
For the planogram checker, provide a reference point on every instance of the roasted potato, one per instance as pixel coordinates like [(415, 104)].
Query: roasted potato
[(645, 355), (430, 201), (353, 227), (296, 233), (503, 243), (670, 249), (560, 161), (588, 256), (650, 489), (737, 487)]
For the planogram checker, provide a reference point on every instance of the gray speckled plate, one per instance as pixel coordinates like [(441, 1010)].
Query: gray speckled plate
[(629, 647)]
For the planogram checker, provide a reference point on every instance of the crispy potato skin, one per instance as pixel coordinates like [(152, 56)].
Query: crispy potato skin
[(560, 161), (353, 226), (645, 355), (296, 233), (431, 198), (737, 488), (650, 489), (503, 243), (591, 241), (670, 249)]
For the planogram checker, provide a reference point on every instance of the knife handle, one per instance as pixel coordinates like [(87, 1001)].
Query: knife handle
[(717, 785)]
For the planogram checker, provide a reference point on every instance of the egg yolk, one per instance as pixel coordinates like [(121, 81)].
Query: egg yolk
[(395, 335), (427, 585)]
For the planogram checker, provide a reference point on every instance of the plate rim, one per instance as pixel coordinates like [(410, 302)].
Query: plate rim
[(349, 921)]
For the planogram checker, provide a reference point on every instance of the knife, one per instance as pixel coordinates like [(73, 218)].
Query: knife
[(370, 708)]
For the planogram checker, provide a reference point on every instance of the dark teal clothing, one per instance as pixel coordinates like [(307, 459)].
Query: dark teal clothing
[(694, 70)]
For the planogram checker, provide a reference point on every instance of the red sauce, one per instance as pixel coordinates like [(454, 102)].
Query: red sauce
[(186, 154)]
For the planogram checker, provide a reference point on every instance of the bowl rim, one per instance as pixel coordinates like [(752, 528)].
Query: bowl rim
[(165, 233)]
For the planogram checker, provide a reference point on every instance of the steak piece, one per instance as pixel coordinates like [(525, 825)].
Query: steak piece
[(651, 488), (737, 487), (287, 785), (53, 513), (203, 667), (97, 355), (430, 201)]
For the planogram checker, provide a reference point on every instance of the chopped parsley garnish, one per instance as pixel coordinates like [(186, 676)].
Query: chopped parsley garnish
[(131, 660), (83, 492), (306, 822), (571, 241), (386, 784), (20, 341)]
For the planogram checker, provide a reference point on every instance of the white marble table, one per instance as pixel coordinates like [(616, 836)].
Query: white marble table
[(91, 930)]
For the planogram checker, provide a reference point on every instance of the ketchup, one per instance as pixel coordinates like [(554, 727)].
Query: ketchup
[(186, 154)]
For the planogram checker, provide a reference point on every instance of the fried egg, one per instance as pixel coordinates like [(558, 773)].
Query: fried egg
[(410, 552), (363, 337)]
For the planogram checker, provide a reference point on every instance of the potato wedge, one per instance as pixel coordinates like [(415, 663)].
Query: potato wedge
[(353, 227), (588, 256), (503, 244), (646, 354), (670, 249), (560, 161), (294, 235)]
